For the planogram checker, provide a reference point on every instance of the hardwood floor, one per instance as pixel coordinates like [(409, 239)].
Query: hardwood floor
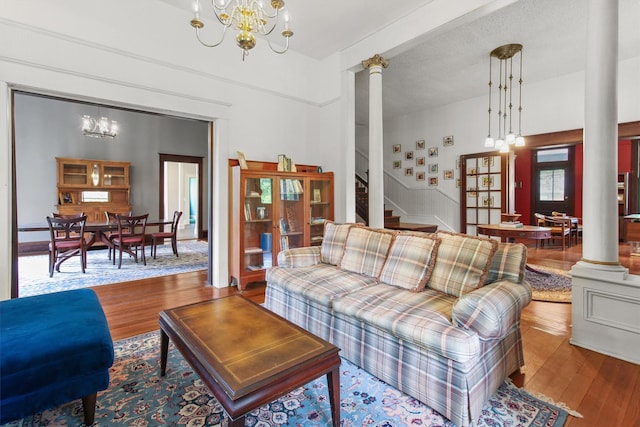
[(605, 390)]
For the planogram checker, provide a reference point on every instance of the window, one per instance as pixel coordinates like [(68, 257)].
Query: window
[(554, 155), (551, 184)]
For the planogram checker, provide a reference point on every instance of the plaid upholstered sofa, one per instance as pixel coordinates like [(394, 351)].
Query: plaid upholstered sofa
[(434, 315)]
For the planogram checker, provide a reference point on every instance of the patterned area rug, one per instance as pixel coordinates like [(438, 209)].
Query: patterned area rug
[(33, 271), (138, 396), (550, 285)]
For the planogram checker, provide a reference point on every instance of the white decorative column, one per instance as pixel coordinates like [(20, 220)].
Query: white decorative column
[(605, 299), (600, 205), (375, 64)]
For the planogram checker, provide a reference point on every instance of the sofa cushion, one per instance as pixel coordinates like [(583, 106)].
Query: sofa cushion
[(508, 263), (410, 261), (334, 238), (366, 250), (462, 263), (321, 283), (422, 318)]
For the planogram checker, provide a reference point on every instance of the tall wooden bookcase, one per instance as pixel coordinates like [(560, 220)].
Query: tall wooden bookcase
[(271, 211), (93, 187)]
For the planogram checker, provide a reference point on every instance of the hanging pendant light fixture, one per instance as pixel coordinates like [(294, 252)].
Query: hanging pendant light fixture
[(250, 18), (506, 136), (99, 128)]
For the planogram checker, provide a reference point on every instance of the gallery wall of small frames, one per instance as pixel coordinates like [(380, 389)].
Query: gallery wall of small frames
[(422, 161)]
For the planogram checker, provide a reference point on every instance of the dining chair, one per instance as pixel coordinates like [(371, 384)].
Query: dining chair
[(560, 227), (111, 219), (161, 235), (58, 215), (130, 237), (66, 239)]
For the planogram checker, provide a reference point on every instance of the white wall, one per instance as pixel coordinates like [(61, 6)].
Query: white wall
[(549, 106), (94, 51)]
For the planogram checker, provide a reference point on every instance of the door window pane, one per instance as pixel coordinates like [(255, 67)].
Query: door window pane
[(551, 185), (554, 155)]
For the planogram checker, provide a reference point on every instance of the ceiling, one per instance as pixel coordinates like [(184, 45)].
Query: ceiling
[(451, 65)]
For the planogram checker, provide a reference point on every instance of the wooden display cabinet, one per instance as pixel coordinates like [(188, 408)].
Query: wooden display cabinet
[(93, 187), (271, 211), (320, 208)]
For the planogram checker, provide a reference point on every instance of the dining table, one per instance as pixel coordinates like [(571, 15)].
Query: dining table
[(98, 230)]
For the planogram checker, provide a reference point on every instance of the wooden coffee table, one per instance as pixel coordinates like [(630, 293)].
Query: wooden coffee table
[(247, 355)]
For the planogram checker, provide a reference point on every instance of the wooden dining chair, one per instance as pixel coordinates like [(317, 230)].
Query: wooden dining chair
[(130, 237), (66, 240), (111, 219), (161, 235), (73, 215), (560, 227)]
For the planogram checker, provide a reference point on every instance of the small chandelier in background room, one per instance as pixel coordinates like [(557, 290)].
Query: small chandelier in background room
[(506, 135), (99, 128), (250, 18)]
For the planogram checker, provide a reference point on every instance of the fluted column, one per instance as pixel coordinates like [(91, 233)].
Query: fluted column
[(375, 64), (600, 206)]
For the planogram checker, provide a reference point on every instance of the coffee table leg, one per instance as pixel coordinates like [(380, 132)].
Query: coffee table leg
[(164, 350), (238, 422), (333, 381)]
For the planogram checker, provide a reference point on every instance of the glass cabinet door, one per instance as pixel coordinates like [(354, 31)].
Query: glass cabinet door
[(320, 208), (291, 221), (257, 226)]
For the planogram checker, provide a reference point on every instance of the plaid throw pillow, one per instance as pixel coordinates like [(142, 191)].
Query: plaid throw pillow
[(508, 263), (410, 261), (462, 263), (335, 236), (366, 250)]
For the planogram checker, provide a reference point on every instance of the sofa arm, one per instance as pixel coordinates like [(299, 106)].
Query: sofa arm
[(299, 257), (492, 310)]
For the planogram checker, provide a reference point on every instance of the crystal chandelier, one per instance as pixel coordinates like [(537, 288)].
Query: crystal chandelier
[(506, 136), (249, 17), (99, 128)]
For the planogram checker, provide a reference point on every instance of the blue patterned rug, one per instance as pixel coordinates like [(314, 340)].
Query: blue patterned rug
[(138, 396), (33, 271)]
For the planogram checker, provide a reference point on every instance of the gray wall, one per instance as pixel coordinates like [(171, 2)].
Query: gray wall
[(47, 128)]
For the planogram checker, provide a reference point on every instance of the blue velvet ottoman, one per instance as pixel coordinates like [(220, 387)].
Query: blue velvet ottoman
[(54, 348)]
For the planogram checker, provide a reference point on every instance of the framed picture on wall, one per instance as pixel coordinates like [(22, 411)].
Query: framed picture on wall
[(66, 198), (420, 144), (408, 155), (408, 171), (433, 152), (433, 168), (448, 174), (419, 161), (397, 148), (397, 164), (433, 181), (419, 176)]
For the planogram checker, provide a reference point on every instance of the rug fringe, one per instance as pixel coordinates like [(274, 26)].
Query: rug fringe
[(547, 399), (560, 405)]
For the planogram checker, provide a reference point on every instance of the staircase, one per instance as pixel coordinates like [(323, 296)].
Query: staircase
[(362, 204)]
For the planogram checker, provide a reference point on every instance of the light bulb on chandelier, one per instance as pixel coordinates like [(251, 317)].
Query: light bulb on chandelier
[(100, 128), (506, 137), (250, 18)]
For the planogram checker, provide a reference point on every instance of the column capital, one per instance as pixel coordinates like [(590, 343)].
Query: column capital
[(375, 60)]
